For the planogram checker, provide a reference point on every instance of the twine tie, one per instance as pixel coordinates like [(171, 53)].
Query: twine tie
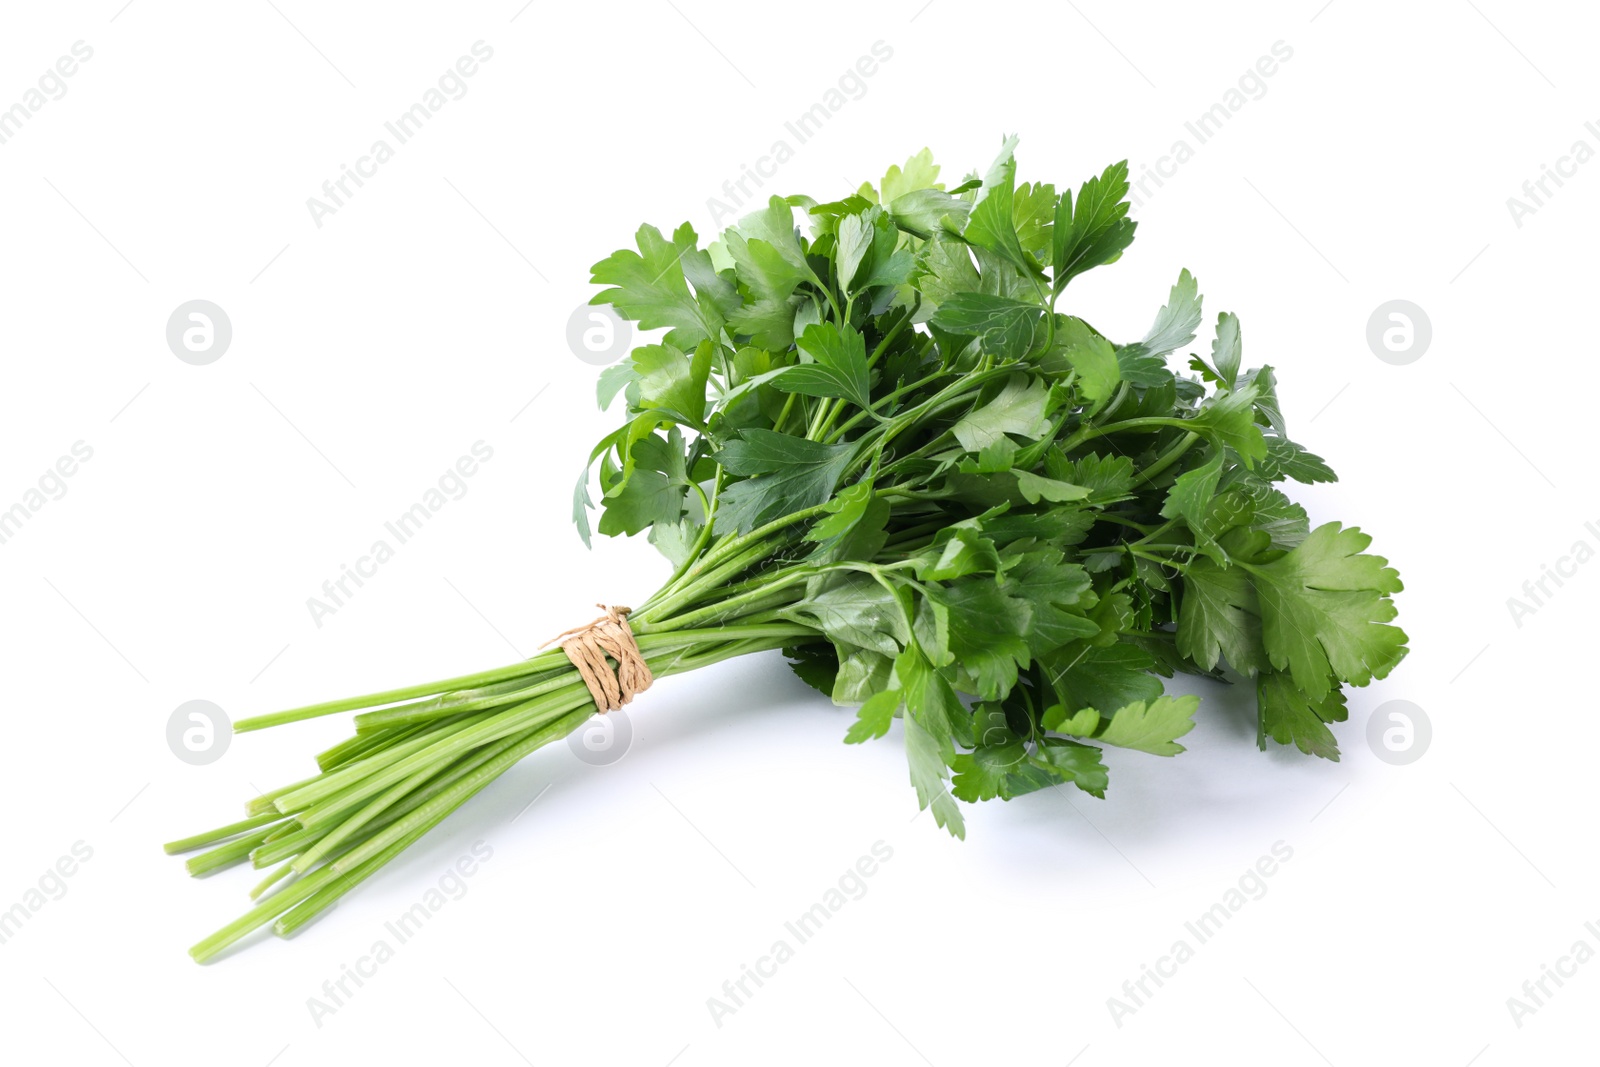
[(589, 646)]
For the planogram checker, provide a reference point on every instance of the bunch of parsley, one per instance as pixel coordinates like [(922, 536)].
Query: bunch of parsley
[(873, 440)]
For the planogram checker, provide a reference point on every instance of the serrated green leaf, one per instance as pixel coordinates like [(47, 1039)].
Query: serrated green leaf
[(1285, 459), (982, 773), (963, 552), (1226, 348), (1230, 419), (919, 172), (1035, 488), (855, 241), (854, 610), (929, 772), (838, 370), (926, 213), (814, 664), (1178, 319), (1325, 611), (1081, 723), (782, 474), (1096, 230), (672, 381), (992, 224), (645, 498), (944, 269), (1004, 327), (929, 698), (1019, 408), (1152, 727), (844, 511), (649, 287), (1108, 478), (1099, 372), (874, 717), (861, 673), (1289, 716), (1191, 493), (1085, 676), (1033, 207), (1072, 762), (1220, 617), (988, 631)]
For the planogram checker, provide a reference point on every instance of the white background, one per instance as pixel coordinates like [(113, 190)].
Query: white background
[(430, 312)]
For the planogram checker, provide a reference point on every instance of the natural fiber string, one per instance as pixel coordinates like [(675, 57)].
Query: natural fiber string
[(588, 647)]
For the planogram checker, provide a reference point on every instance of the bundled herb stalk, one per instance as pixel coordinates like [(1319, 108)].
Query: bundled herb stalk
[(872, 439)]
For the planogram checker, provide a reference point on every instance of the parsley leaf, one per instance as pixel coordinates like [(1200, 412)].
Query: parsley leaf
[(1003, 326), (673, 382), (1019, 408), (1325, 611), (1152, 726), (929, 772), (1289, 716), (1178, 319), (839, 367), (1097, 230), (992, 224), (1220, 617), (648, 287), (782, 474)]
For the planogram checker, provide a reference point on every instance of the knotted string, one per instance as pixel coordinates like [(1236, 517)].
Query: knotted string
[(588, 647)]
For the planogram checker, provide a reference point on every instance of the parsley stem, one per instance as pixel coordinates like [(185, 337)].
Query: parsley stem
[(1089, 433), (894, 332), (1121, 520), (838, 315), (1167, 458), (1151, 535), (850, 423), (541, 662), (189, 844), (783, 414)]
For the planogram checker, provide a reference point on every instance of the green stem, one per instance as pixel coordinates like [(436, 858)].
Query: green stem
[(838, 315), (1167, 458), (224, 856), (222, 833), (894, 332), (258, 916), (1121, 521), (508, 753), (755, 597), (850, 423), (1089, 433), (390, 696)]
